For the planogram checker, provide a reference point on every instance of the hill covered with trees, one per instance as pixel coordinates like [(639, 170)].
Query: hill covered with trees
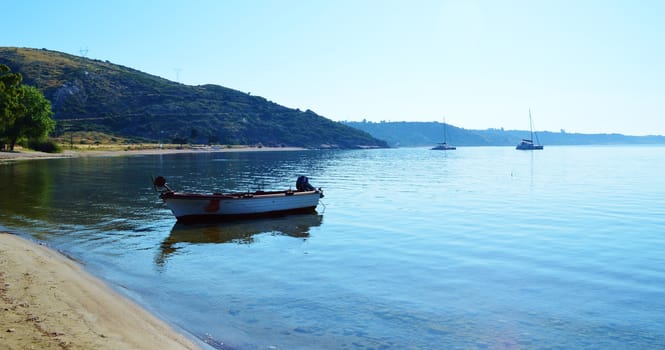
[(414, 134), (94, 95)]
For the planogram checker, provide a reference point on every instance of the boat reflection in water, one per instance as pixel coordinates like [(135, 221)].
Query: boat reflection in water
[(240, 232)]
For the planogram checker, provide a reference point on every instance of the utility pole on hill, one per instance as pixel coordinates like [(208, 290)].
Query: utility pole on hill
[(177, 74)]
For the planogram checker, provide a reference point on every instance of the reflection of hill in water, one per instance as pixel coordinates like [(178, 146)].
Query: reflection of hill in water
[(240, 232)]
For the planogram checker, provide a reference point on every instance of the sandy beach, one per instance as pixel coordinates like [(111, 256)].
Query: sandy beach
[(28, 154), (47, 301)]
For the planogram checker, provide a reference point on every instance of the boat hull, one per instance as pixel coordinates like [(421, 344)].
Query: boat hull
[(195, 207), (527, 145), (443, 148)]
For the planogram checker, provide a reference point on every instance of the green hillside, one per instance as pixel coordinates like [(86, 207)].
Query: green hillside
[(94, 95)]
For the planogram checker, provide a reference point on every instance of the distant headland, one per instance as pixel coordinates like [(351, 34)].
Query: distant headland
[(415, 134)]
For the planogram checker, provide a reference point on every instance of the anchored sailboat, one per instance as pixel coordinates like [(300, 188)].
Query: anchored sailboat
[(527, 144), (443, 146)]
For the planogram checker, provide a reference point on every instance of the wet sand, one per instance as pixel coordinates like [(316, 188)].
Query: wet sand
[(47, 301)]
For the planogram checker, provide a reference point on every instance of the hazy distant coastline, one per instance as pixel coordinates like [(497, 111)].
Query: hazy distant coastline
[(413, 134)]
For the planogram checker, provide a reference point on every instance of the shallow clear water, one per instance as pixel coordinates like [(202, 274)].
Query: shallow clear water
[(484, 247)]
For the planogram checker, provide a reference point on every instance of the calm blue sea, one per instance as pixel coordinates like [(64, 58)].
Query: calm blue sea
[(478, 248)]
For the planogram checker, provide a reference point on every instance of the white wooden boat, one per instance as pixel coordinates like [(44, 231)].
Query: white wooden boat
[(230, 206)]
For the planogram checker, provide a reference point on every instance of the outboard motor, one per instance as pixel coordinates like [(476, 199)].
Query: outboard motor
[(302, 184), (159, 183)]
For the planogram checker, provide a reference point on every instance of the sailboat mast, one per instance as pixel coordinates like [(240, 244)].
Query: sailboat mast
[(530, 124), (444, 130)]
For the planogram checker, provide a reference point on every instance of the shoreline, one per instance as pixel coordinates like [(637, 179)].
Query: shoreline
[(6, 156), (48, 301)]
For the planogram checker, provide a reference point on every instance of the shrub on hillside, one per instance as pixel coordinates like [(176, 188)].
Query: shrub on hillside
[(47, 146)]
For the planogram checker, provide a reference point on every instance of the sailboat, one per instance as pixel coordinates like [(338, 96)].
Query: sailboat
[(527, 144), (443, 146)]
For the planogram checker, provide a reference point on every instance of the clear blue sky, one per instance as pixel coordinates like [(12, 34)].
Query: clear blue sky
[(583, 66)]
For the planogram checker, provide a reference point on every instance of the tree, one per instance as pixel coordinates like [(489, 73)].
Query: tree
[(24, 111), (9, 98), (9, 84)]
